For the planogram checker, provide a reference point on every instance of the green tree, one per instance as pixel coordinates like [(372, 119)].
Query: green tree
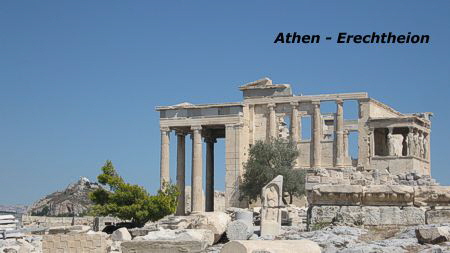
[(129, 201), (270, 158)]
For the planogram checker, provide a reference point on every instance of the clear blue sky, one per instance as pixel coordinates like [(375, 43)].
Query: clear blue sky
[(79, 80)]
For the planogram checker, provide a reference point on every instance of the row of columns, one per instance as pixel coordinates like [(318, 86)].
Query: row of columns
[(197, 168), (316, 130)]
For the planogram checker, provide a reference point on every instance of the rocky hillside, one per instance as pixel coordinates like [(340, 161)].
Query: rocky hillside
[(72, 200)]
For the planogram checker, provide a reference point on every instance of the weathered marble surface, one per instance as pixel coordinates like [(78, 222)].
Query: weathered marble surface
[(366, 215), (271, 207), (432, 196), (336, 195), (396, 195)]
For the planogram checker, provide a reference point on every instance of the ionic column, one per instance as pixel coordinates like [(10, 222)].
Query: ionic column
[(346, 143), (316, 136), (339, 133), (164, 162), (295, 130), (197, 177), (272, 121), (209, 198), (181, 172)]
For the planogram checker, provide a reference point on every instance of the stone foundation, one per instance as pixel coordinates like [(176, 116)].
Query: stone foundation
[(74, 243), (319, 216)]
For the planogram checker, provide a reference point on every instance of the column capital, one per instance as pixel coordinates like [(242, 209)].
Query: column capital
[(196, 128), (180, 132), (209, 139), (339, 101), (315, 103), (295, 104), (164, 129), (271, 105)]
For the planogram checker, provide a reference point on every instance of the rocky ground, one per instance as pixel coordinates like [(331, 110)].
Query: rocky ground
[(362, 240), (207, 232)]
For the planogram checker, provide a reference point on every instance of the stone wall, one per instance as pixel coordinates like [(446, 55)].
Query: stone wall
[(380, 195), (74, 243), (45, 221), (319, 216), (353, 176), (375, 205)]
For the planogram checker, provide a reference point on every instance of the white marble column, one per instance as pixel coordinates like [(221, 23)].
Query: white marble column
[(209, 191), (164, 162), (346, 133), (181, 172), (316, 135), (295, 129), (339, 133), (272, 121), (197, 170)]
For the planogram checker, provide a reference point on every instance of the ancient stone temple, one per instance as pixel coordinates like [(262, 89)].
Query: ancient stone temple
[(389, 142)]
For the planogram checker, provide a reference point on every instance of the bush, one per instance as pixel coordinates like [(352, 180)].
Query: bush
[(129, 201)]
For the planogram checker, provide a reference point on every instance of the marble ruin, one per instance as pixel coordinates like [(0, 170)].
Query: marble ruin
[(379, 199), (392, 147)]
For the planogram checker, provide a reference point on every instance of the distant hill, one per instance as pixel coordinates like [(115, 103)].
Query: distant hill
[(73, 200)]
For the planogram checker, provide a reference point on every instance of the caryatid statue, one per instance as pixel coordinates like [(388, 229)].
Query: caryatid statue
[(421, 150), (416, 143), (410, 142), (425, 148), (391, 145)]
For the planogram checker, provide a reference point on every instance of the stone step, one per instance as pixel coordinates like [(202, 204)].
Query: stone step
[(8, 222), (7, 217)]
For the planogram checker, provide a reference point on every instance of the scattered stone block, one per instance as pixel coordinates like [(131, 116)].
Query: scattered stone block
[(216, 222), (388, 195), (431, 195), (121, 234), (382, 215), (323, 214), (239, 230), (432, 235), (414, 216), (345, 194), (7, 217), (163, 246), (204, 236), (74, 243), (141, 231), (438, 216), (244, 215), (68, 229), (349, 215), (277, 246)]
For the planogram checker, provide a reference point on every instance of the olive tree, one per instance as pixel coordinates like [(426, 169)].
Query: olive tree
[(266, 160)]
